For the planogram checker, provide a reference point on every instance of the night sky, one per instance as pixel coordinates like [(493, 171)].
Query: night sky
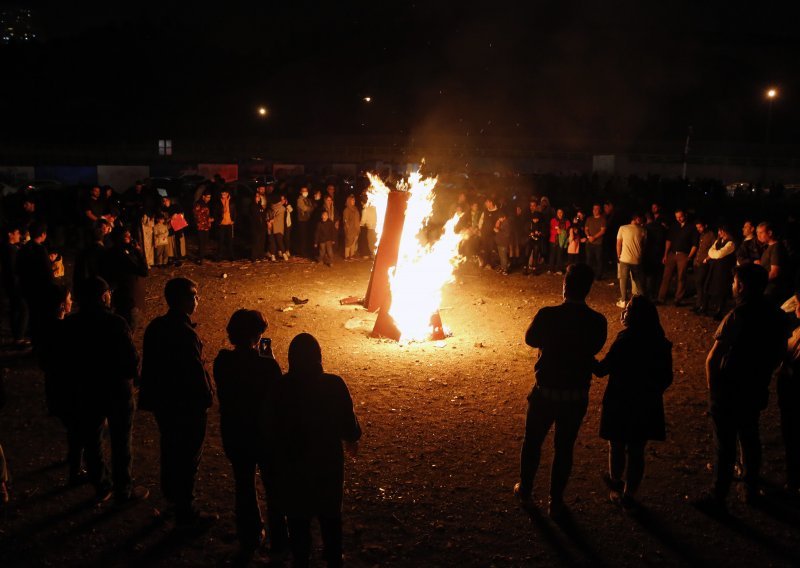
[(561, 72)]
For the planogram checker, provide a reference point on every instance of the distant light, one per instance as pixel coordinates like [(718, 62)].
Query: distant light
[(262, 111), (772, 93), (367, 99)]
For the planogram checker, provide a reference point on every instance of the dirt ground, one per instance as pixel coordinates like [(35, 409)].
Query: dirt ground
[(443, 426)]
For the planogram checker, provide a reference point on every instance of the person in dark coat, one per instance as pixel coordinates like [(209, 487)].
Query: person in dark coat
[(35, 271), (89, 261), (101, 364), (17, 307), (246, 381), (314, 415), (568, 337), (125, 269), (639, 365), (721, 261), (176, 387)]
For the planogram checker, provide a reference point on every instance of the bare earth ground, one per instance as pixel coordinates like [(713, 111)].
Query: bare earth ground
[(442, 431)]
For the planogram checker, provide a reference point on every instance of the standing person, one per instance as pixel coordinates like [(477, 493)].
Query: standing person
[(369, 223), (35, 271), (352, 226), (161, 241), (563, 373), (125, 270), (788, 388), (519, 237), (537, 233), (654, 244), (314, 414), (325, 239), (775, 261), (89, 261), (705, 241), (559, 239), (259, 220), (225, 215), (102, 364), (202, 224), (574, 244), (679, 250), (278, 219), (613, 223), (17, 308), (486, 226), (630, 245), (748, 346), (177, 228), (246, 385), (305, 210), (595, 229), (721, 260), (287, 226), (502, 239), (639, 365), (750, 249), (176, 387), (93, 210)]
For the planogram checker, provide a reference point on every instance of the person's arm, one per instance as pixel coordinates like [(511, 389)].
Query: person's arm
[(533, 337), (619, 249), (774, 271), (713, 362), (666, 251), (692, 252)]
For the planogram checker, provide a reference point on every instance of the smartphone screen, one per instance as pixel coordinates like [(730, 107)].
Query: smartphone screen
[(265, 347)]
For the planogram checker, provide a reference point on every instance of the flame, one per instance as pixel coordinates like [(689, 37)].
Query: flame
[(423, 267), (378, 196)]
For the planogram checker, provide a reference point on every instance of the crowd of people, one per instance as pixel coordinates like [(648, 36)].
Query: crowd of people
[(291, 426)]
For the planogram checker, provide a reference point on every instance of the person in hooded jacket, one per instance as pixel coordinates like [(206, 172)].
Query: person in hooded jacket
[(639, 365), (314, 415)]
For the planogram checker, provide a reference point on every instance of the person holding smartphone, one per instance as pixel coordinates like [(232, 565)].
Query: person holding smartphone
[(246, 378)]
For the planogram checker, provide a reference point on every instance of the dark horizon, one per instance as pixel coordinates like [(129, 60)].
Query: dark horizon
[(619, 72)]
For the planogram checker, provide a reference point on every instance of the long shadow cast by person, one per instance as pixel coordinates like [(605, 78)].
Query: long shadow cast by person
[(656, 528), (568, 540), (126, 547)]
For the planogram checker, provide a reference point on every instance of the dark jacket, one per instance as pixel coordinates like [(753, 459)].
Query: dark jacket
[(124, 268), (8, 265), (99, 358), (34, 268), (246, 384), (640, 369), (314, 414), (326, 231), (174, 376), (568, 337), (217, 211), (502, 236), (88, 264)]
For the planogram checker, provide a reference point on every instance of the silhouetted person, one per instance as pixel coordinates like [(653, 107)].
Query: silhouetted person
[(35, 271), (748, 346), (102, 364), (125, 269), (176, 387), (246, 381), (639, 365), (568, 337), (789, 405), (315, 415), (17, 308), (89, 261)]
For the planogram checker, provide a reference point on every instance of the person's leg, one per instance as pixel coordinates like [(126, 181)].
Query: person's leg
[(91, 428), (635, 471), (669, 268), (300, 541), (287, 239), (624, 271), (568, 422), (279, 243), (616, 460), (551, 261), (120, 426), (330, 528), (789, 404), (277, 530), (682, 265), (248, 516), (537, 424), (74, 448), (202, 244), (724, 450), (503, 253), (750, 442), (637, 282), (700, 274), (182, 436)]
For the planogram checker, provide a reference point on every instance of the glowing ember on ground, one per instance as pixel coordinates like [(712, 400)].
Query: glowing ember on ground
[(423, 267)]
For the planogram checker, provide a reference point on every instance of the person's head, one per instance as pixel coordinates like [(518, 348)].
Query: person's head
[(181, 295), (59, 301), (637, 219), (518, 210), (246, 327), (474, 207), (138, 187), (317, 195), (749, 281), (261, 190), (578, 282), (641, 316), (38, 232), (95, 192), (94, 293), (351, 201), (304, 191), (533, 206), (331, 189), (160, 219), (655, 208), (324, 216), (108, 191), (559, 214), (701, 226), (724, 233), (224, 195), (166, 201), (608, 208), (764, 233), (121, 236), (680, 216), (596, 210), (14, 235), (462, 197), (206, 196), (328, 200), (29, 205), (748, 229), (305, 355), (489, 203), (544, 202)]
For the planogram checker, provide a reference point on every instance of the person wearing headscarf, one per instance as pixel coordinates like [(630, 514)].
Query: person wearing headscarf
[(314, 415), (639, 365)]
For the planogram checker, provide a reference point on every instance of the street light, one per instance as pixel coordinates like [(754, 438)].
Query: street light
[(262, 111), (367, 99), (772, 93)]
